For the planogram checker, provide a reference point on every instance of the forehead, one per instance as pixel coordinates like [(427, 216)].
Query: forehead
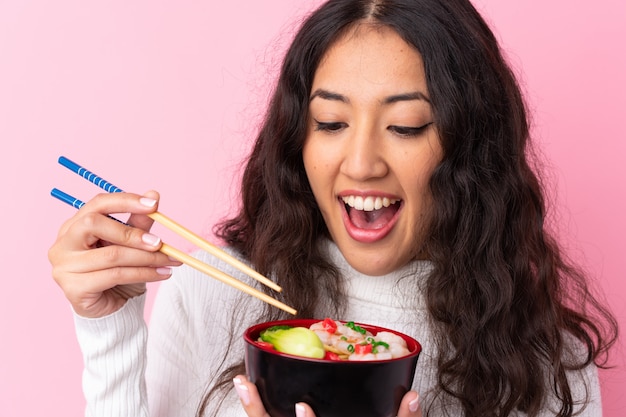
[(371, 58)]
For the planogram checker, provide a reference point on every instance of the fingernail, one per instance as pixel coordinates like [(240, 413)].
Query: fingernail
[(148, 202), (242, 391), (150, 239), (414, 404), (300, 410), (164, 271)]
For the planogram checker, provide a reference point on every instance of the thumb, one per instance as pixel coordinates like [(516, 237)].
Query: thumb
[(410, 405), (303, 410)]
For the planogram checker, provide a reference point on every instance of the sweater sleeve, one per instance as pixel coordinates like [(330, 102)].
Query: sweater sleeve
[(175, 371), (584, 387), (165, 373), (584, 383), (113, 350)]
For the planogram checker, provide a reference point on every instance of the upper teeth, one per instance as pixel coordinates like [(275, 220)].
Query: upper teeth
[(368, 203)]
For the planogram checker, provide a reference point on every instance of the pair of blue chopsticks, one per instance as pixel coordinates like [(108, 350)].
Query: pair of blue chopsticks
[(185, 233), (86, 174)]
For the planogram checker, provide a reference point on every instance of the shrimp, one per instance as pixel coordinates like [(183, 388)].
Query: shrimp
[(351, 342), (397, 345)]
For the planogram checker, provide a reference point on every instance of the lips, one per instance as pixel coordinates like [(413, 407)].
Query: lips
[(368, 219)]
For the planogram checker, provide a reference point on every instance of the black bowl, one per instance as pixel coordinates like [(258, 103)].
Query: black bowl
[(331, 388)]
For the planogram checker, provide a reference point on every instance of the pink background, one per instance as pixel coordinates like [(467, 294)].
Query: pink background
[(164, 95)]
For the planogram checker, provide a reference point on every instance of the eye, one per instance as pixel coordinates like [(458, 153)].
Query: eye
[(330, 127), (408, 131)]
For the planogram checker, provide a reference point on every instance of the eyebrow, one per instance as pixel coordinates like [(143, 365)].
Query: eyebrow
[(417, 95), (329, 95)]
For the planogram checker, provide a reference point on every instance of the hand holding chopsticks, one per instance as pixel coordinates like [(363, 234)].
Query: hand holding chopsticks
[(188, 235)]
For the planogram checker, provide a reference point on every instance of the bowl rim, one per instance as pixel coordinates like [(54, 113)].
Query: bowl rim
[(257, 328)]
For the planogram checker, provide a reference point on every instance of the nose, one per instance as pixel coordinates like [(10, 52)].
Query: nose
[(364, 156)]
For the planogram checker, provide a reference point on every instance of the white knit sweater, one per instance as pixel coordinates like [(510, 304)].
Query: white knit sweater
[(165, 374)]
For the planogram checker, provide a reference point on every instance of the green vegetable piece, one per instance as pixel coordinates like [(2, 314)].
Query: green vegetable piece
[(356, 328), (298, 341)]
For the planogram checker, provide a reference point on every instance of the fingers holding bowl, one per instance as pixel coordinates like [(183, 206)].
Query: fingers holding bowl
[(249, 397), (410, 406)]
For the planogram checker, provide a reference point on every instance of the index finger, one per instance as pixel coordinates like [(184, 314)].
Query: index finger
[(116, 203), (149, 199)]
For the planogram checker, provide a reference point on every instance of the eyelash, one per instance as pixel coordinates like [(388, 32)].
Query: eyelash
[(330, 127), (404, 131), (409, 131)]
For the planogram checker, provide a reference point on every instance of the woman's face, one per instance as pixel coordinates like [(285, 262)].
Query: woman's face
[(371, 148)]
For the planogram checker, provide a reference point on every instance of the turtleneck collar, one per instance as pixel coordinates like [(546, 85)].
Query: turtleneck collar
[(399, 289)]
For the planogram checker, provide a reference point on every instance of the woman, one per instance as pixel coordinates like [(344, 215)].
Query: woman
[(391, 183)]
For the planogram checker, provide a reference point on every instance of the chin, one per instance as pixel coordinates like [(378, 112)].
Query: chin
[(374, 266)]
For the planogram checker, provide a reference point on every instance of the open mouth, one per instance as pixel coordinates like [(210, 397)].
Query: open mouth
[(371, 213)]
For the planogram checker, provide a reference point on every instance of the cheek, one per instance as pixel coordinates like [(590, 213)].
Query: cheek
[(318, 163), (310, 164), (418, 174), (424, 201), (425, 169), (314, 170), (418, 181)]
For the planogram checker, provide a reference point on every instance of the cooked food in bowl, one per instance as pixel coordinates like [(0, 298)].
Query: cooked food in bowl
[(334, 340), (306, 360)]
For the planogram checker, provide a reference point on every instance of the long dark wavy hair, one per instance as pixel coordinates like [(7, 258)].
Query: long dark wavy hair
[(503, 298)]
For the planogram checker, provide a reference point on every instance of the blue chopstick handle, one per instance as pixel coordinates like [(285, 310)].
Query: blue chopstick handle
[(66, 198), (75, 202), (89, 176)]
